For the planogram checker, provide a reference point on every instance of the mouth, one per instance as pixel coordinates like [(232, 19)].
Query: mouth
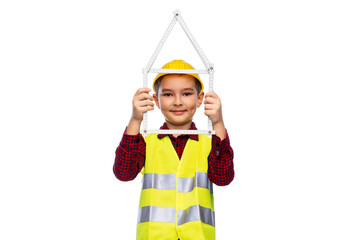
[(178, 112)]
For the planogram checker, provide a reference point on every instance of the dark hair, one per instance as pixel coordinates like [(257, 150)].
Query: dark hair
[(159, 80)]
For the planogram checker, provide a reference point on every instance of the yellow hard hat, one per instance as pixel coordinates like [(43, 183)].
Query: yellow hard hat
[(178, 64)]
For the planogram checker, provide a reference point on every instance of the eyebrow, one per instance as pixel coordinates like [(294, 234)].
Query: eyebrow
[(185, 89), (188, 89)]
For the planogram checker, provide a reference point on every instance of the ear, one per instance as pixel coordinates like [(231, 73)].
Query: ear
[(200, 98), (155, 97)]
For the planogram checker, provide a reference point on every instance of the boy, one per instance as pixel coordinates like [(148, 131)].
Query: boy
[(177, 199)]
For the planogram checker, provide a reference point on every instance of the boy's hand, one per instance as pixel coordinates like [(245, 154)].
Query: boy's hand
[(213, 109), (142, 102)]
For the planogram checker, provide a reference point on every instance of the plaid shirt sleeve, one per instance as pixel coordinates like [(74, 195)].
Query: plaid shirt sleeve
[(220, 161), (130, 157)]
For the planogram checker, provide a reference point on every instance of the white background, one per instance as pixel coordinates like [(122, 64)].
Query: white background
[(69, 69)]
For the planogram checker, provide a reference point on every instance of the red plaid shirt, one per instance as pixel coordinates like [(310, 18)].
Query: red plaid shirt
[(130, 156)]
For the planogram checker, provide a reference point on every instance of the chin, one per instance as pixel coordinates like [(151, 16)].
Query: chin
[(177, 122)]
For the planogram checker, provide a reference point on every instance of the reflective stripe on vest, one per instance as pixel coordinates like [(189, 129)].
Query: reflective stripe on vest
[(167, 214), (201, 180), (156, 214), (159, 181), (185, 184), (195, 213)]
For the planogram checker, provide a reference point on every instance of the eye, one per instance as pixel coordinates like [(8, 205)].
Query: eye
[(188, 94), (167, 94)]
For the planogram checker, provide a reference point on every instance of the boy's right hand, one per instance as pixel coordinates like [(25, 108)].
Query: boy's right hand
[(142, 102)]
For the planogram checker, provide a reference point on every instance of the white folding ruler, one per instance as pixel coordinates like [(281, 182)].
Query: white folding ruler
[(209, 70)]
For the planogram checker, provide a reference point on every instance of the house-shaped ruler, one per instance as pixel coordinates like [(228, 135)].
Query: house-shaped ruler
[(208, 70)]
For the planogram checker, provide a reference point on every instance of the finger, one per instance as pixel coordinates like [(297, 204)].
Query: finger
[(144, 96), (143, 90), (147, 108), (209, 106), (209, 113), (210, 100), (145, 103), (212, 94)]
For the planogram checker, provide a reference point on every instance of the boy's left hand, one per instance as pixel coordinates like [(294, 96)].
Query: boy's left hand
[(213, 107)]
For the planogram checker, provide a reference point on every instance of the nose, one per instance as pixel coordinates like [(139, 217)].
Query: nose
[(178, 100)]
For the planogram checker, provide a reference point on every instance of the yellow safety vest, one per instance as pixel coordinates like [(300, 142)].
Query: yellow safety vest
[(176, 200)]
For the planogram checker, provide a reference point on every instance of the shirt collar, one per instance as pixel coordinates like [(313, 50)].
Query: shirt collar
[(191, 136)]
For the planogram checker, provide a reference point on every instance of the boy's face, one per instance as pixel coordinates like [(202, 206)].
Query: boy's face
[(178, 100)]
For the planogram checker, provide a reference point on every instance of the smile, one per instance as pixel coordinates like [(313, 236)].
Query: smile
[(179, 112)]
